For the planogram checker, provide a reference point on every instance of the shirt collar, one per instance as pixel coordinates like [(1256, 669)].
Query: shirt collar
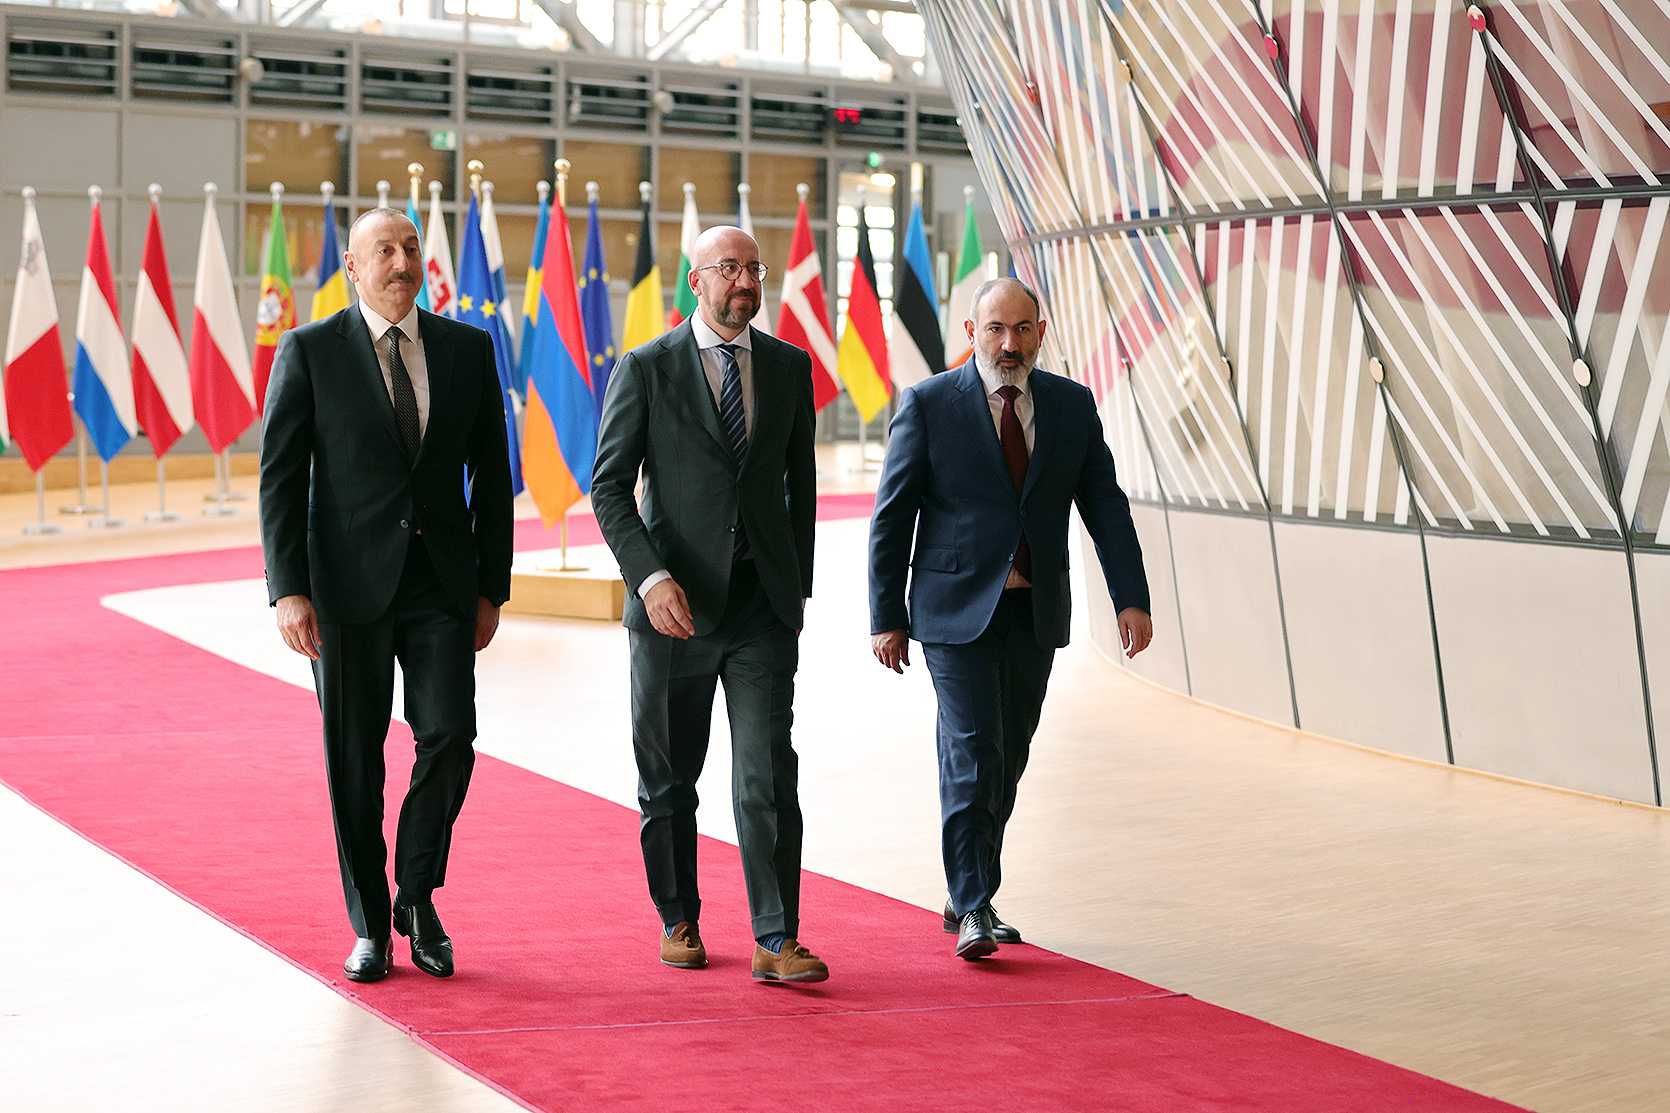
[(707, 338), (408, 325), (992, 382)]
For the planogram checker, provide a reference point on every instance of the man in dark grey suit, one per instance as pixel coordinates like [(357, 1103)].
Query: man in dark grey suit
[(385, 522), (718, 565), (983, 464)]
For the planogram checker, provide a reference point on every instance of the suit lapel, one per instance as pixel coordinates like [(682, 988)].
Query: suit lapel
[(362, 367), (438, 359), (688, 383), (772, 399)]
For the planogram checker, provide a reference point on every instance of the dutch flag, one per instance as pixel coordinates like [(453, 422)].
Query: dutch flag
[(103, 384)]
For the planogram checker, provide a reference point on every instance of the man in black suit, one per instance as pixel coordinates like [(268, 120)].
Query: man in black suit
[(385, 522), (718, 565), (983, 463)]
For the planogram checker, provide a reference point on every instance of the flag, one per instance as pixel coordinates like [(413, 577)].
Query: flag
[(331, 294), (103, 388), (745, 221), (971, 271), (438, 275), (478, 306), (222, 387), (559, 445), (161, 380), (37, 392), (862, 356), (915, 347), (594, 309), (645, 318), (684, 298), (417, 222), (495, 273), (530, 300), (276, 310), (803, 316)]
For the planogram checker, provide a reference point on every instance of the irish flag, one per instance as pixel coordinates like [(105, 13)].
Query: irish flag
[(684, 298), (222, 386), (276, 309)]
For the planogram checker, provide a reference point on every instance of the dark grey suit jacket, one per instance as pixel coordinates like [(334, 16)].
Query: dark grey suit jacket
[(340, 498), (659, 416)]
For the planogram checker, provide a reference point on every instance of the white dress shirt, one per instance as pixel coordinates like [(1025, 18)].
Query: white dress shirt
[(411, 354)]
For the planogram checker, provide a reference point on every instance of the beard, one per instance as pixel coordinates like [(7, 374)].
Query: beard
[(731, 314), (1008, 376)]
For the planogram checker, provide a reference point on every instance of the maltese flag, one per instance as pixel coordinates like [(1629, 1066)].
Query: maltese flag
[(222, 383), (37, 397), (103, 386)]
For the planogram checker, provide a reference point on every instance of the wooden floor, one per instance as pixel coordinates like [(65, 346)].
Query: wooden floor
[(1507, 938)]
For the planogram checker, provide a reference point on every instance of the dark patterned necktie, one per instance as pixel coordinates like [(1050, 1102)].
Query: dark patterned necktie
[(731, 411), (1013, 439), (405, 398)]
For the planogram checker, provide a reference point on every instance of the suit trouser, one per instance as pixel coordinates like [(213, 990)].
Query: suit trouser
[(991, 691), (755, 656), (355, 680)]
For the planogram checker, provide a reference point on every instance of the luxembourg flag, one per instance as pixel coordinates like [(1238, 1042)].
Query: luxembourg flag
[(559, 442), (222, 383), (161, 377), (37, 397), (103, 385)]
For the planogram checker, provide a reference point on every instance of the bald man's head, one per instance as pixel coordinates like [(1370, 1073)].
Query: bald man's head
[(726, 304)]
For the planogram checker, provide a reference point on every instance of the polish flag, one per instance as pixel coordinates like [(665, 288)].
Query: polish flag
[(37, 391), (103, 385), (161, 377), (803, 319), (222, 384)]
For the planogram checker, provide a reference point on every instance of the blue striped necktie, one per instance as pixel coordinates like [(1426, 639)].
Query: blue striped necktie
[(730, 402)]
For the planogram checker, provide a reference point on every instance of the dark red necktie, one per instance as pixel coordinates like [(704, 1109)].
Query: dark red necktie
[(1013, 439)]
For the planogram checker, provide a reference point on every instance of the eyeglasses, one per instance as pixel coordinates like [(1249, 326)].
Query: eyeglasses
[(731, 270)]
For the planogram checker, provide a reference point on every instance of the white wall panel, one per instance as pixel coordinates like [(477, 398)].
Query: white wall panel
[(1227, 587), (1652, 581), (54, 149), (1360, 637), (1162, 661), (1540, 666)]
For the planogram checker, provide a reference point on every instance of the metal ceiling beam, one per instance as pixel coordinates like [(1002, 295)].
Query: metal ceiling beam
[(204, 9), (562, 13), (862, 19), (301, 13), (674, 38)]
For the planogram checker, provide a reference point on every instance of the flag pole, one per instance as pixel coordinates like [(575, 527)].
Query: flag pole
[(41, 525), (161, 513), (80, 506), (104, 520), (223, 468), (383, 187), (562, 167), (227, 494)]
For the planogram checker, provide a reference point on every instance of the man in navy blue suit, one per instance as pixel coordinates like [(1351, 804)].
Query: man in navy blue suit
[(982, 465)]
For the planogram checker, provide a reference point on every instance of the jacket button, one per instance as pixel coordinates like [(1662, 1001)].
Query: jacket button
[(402, 523)]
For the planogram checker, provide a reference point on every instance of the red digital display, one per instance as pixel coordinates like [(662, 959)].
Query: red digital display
[(848, 115)]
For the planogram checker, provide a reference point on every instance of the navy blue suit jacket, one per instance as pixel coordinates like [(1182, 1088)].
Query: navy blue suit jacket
[(947, 515)]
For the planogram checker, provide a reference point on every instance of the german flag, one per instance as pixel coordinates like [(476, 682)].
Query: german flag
[(861, 360)]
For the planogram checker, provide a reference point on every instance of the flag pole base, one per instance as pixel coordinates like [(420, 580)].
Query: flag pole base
[(106, 522), (80, 509), (161, 516), (161, 513), (39, 526), (564, 565), (37, 529)]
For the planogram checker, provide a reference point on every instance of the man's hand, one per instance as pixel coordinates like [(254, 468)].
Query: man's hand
[(299, 625), (1136, 630), (892, 649), (486, 623), (669, 610)]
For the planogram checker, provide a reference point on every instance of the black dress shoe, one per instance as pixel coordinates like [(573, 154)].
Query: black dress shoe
[(1004, 933), (370, 960), (976, 938), (431, 949)]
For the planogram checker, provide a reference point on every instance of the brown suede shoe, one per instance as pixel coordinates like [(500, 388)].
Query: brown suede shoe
[(795, 964), (683, 948)]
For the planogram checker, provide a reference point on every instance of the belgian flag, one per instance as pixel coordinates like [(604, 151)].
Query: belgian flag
[(646, 317)]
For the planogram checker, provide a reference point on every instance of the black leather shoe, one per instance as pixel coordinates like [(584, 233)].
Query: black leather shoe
[(431, 949), (976, 938), (1002, 932), (370, 960)]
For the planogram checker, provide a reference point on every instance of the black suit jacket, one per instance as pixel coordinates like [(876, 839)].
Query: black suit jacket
[(659, 415), (339, 496)]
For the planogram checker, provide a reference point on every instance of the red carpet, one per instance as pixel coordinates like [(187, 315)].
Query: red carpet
[(208, 777)]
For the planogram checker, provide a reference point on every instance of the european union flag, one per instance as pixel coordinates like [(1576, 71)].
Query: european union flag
[(594, 309), (478, 306)]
